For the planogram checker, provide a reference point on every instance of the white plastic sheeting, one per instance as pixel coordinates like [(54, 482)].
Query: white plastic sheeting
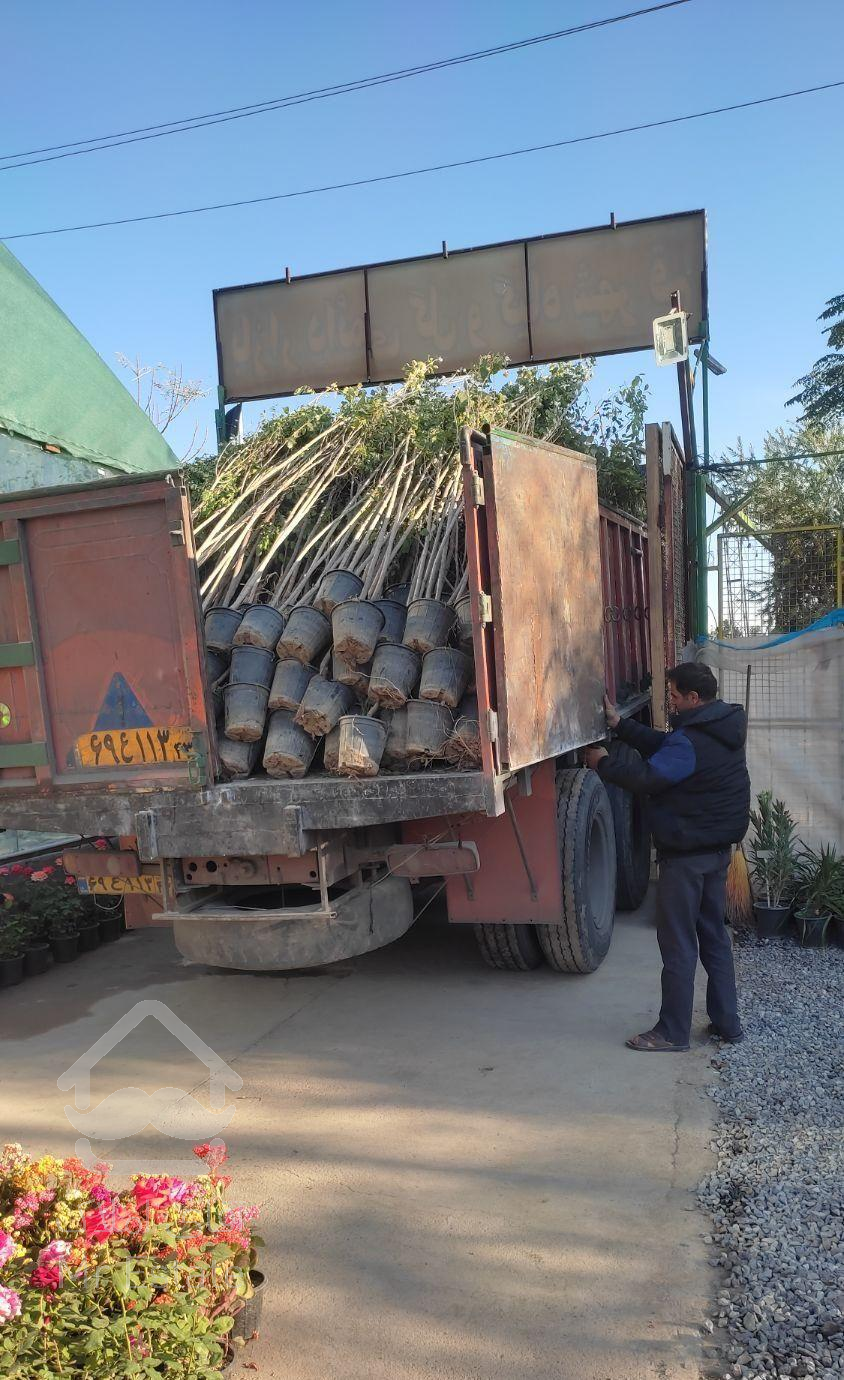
[(795, 741)]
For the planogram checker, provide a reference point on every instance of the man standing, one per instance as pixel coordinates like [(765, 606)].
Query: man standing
[(698, 804)]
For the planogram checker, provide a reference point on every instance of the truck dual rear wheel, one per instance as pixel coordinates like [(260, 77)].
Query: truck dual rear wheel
[(514, 947), (580, 942), (632, 839)]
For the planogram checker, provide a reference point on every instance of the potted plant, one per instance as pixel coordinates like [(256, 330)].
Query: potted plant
[(12, 944), (37, 957), (139, 1281), (819, 893), (110, 922), (87, 928), (773, 862), (63, 935)]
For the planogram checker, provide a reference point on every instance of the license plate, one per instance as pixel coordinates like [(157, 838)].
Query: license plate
[(134, 747), (145, 885)]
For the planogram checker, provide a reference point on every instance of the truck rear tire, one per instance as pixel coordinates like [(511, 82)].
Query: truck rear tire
[(632, 839), (514, 947), (579, 944)]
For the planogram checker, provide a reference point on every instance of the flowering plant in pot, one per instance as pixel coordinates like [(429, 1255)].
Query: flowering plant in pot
[(98, 1282), (12, 942), (773, 863), (819, 892)]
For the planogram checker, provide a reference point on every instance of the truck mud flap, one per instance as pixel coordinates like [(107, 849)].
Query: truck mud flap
[(367, 917)]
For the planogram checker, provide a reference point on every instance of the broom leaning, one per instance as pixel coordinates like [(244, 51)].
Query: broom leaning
[(739, 894)]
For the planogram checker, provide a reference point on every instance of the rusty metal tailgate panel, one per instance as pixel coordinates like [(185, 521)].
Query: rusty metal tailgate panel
[(102, 592), (547, 606)]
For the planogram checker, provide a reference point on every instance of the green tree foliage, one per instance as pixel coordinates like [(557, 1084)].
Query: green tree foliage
[(799, 583), (821, 393)]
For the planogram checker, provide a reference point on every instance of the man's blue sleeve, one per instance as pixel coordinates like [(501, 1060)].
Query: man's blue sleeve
[(644, 739), (674, 762)]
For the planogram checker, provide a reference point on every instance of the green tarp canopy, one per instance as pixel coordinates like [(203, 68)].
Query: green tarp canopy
[(55, 389)]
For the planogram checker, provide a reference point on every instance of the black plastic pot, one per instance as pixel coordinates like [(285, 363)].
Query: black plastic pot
[(813, 930), (771, 920), (11, 971), (248, 1319), (110, 927), (89, 937), (65, 948), (838, 927), (36, 960)]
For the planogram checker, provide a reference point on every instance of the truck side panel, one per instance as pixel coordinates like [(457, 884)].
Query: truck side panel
[(106, 685)]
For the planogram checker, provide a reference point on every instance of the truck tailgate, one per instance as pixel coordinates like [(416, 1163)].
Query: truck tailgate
[(101, 680)]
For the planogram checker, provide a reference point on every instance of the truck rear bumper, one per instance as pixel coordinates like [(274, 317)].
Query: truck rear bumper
[(257, 816)]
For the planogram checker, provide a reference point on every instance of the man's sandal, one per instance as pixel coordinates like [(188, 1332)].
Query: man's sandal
[(715, 1034), (653, 1043)]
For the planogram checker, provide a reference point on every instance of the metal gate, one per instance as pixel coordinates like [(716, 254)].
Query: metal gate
[(778, 581)]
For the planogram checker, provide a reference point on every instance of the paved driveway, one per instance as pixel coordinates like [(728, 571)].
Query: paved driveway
[(464, 1173)]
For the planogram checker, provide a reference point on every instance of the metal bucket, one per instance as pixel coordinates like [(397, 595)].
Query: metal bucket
[(398, 592), (239, 759), (322, 704), (335, 587), (395, 616), (429, 727), (252, 666), (356, 625), (216, 665), (306, 635), (394, 675), (246, 712), (290, 750), (394, 755), (362, 742), (463, 609), (289, 684), (262, 626), (446, 672), (221, 624), (463, 748), (356, 677), (429, 622), (331, 751)]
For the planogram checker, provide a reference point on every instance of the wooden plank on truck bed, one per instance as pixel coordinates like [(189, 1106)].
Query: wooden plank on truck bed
[(542, 504)]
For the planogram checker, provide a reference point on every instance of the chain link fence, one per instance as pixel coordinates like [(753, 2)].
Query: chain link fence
[(779, 581)]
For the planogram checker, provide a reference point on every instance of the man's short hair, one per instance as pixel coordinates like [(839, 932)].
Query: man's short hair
[(693, 675)]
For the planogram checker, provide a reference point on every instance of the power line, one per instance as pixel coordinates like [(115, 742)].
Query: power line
[(419, 172), (73, 148)]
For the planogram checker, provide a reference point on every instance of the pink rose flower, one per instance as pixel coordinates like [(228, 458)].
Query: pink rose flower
[(10, 1304), (70, 881), (46, 1277), (214, 1155), (54, 1253), (39, 876), (7, 1248)]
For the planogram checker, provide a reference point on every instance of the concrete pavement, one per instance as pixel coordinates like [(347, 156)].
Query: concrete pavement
[(463, 1173)]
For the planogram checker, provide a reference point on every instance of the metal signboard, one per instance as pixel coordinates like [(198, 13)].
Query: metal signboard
[(585, 292)]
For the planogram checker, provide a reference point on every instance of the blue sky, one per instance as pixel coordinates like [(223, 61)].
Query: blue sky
[(769, 178)]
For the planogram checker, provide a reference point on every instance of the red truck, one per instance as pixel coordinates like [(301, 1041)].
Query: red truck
[(107, 727)]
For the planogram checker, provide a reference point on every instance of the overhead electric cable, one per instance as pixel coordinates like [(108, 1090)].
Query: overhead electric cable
[(419, 172), (74, 148)]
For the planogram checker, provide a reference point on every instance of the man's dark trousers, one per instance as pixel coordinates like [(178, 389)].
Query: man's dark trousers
[(691, 899)]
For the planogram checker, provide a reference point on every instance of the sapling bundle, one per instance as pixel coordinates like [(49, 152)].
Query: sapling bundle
[(334, 540)]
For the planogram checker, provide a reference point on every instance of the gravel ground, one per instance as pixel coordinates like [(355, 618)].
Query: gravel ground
[(776, 1197)]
